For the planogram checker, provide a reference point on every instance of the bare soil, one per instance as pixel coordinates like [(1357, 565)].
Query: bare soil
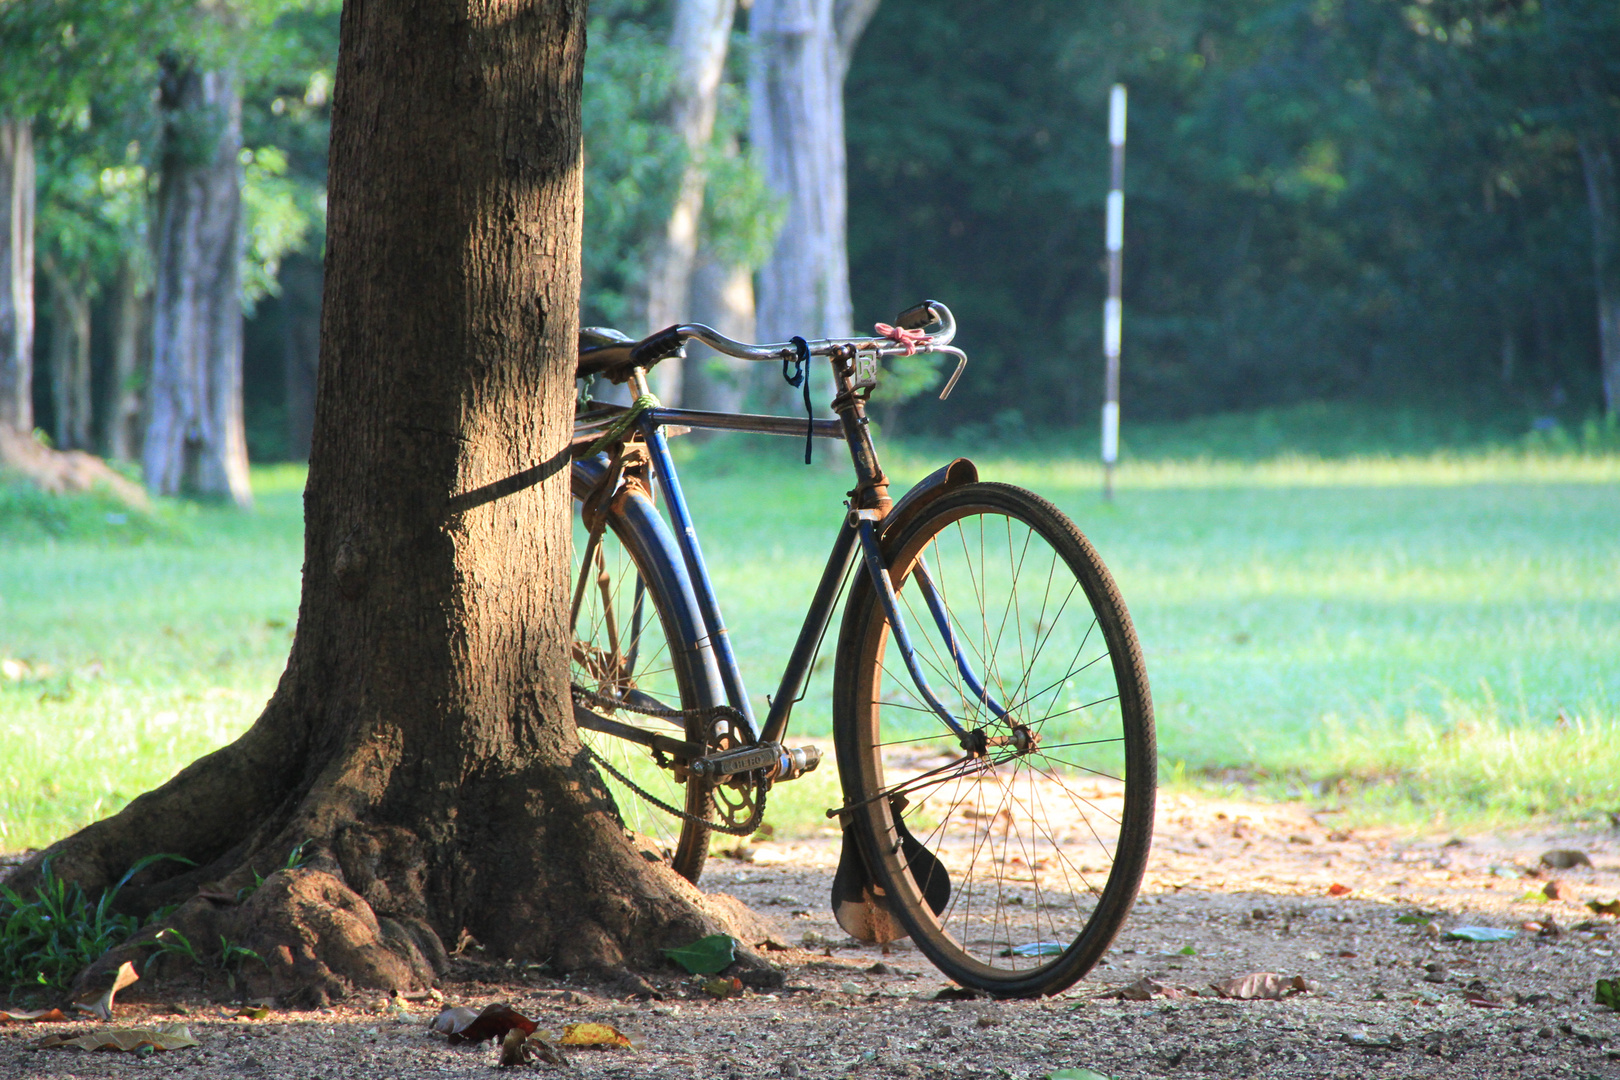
[(1234, 888)]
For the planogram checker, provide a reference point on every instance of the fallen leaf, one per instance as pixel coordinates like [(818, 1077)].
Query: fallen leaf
[(168, 1037), (1479, 933), (720, 987), (1036, 948), (493, 1023), (253, 1012), (101, 1007), (1485, 1001), (1608, 993), (1564, 858), (1418, 919), (452, 1020), (1604, 907), (1146, 989), (1336, 889), (1077, 1074), (33, 1016), (1553, 890), (1262, 986), (593, 1035), (707, 955), (512, 1049), (959, 993)]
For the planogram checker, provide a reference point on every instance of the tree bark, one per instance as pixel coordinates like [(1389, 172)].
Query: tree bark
[(697, 48), (16, 274), (420, 744), (802, 50), (195, 439), (1603, 204), (69, 352), (301, 349), (130, 337)]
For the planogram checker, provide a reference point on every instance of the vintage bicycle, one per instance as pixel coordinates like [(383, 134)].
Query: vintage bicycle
[(992, 723)]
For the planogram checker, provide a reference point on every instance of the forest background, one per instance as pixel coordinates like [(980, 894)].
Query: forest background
[(1407, 208)]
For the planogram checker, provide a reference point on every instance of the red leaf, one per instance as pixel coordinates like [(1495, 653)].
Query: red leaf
[(493, 1023), (1336, 889)]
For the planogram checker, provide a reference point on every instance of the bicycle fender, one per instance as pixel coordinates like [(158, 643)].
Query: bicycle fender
[(944, 479)]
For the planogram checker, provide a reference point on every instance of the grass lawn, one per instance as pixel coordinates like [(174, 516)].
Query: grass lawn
[(1425, 637)]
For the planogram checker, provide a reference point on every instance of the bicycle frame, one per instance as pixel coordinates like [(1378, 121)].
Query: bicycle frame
[(859, 531)]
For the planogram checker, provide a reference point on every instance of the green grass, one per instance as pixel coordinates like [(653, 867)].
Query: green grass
[(1421, 636)]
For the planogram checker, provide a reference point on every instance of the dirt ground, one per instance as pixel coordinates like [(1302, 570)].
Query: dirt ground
[(1244, 887)]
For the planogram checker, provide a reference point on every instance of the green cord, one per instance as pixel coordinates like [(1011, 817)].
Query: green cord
[(622, 423)]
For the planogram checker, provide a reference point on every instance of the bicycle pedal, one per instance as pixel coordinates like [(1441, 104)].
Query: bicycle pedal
[(781, 762)]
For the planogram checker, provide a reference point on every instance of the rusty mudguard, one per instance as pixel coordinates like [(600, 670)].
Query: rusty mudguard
[(942, 480)]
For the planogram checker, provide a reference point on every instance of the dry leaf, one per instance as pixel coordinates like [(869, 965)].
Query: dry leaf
[(168, 1037), (1336, 889), (1145, 989), (512, 1049), (101, 1007), (1564, 858), (593, 1035), (1604, 907), (452, 1020), (33, 1016), (1263, 986), (493, 1023), (721, 987), (253, 1012)]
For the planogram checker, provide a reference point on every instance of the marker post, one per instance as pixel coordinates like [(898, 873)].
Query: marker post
[(1112, 309)]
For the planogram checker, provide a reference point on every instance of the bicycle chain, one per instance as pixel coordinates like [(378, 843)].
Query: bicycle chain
[(601, 701)]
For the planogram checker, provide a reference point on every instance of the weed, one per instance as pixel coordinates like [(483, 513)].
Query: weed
[(47, 940)]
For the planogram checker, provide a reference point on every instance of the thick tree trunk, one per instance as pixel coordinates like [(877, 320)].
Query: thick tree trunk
[(1598, 163), (131, 335), (698, 54), (195, 440), (16, 274), (421, 740), (722, 297), (301, 349), (69, 352), (802, 50)]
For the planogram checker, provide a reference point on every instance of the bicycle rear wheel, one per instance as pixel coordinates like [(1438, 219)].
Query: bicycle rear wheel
[(1043, 829), (637, 640)]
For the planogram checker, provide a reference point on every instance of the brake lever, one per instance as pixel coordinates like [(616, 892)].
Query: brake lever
[(961, 366)]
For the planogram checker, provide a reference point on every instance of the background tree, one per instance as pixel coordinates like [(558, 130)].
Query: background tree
[(420, 746)]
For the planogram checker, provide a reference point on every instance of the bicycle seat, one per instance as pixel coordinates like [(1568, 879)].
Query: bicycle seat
[(604, 351)]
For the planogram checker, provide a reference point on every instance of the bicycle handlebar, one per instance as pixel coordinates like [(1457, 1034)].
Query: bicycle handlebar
[(616, 358)]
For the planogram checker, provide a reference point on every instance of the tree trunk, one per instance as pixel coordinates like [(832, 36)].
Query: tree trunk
[(130, 337), (1603, 202), (802, 50), (301, 348), (722, 297), (698, 52), (70, 356), (195, 439), (420, 744), (16, 274)]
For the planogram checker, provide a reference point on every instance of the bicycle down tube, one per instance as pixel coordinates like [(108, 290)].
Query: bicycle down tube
[(865, 534)]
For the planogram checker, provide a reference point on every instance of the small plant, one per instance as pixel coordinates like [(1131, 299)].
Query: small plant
[(171, 942), (232, 957), (295, 859), (46, 940)]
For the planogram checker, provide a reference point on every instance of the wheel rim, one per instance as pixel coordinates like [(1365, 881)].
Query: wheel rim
[(1030, 835), (622, 651)]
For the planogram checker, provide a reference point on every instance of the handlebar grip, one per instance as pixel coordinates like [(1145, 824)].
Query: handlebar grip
[(663, 344), (915, 318)]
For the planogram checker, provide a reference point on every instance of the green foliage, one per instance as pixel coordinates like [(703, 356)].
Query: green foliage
[(47, 939), (707, 955), (1353, 201)]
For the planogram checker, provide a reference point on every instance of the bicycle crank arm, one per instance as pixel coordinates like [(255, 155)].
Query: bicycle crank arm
[(780, 762), (676, 748)]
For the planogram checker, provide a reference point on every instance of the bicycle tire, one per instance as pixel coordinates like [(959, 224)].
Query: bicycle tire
[(669, 661), (1031, 915)]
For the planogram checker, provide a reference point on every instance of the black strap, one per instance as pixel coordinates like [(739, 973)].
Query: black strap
[(801, 377)]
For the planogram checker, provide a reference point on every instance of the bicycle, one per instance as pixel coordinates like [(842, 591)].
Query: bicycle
[(997, 774)]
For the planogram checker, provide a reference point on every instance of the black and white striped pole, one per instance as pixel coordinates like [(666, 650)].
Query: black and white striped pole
[(1112, 310)]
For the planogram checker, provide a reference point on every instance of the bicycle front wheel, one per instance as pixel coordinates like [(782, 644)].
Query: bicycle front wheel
[(637, 640), (1042, 824)]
